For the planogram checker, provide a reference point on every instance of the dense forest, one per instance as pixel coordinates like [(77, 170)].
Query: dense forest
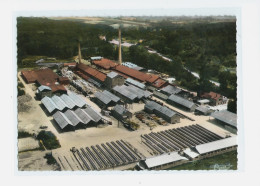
[(206, 48)]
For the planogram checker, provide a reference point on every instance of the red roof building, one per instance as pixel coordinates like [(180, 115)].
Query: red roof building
[(215, 98), (135, 74), (160, 83), (64, 80), (69, 64), (44, 77), (105, 63), (93, 73)]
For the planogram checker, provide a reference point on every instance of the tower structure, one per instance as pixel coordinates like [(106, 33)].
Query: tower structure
[(79, 53), (119, 49)]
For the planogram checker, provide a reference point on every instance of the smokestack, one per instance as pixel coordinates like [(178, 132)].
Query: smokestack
[(79, 55), (119, 50)]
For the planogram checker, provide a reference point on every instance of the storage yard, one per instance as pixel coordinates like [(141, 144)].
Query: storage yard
[(110, 115)]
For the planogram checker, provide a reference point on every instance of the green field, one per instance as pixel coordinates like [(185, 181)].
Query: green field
[(227, 161)]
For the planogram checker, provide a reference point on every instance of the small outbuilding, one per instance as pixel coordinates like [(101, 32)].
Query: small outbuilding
[(120, 112), (162, 111), (43, 91)]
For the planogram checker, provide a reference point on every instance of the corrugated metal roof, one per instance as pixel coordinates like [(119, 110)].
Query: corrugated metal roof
[(74, 119), (94, 82), (68, 101), (160, 95), (111, 96), (119, 109), (59, 102), (217, 145), (106, 100), (202, 109), (151, 105), (61, 119), (49, 104), (123, 91), (64, 101), (93, 114), (171, 89), (43, 87), (138, 91), (136, 83), (106, 97), (226, 116), (163, 159), (83, 115), (79, 101), (166, 111), (181, 101)]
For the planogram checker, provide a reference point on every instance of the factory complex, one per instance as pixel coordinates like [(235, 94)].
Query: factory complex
[(110, 115)]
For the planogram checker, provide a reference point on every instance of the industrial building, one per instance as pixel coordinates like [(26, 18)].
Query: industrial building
[(203, 110), (161, 111), (169, 90), (203, 101), (160, 95), (113, 79), (43, 91), (215, 98), (163, 161), (216, 147), (133, 66), (106, 99), (120, 112), (227, 119), (131, 81), (42, 76), (63, 102), (130, 93), (104, 63), (80, 118), (181, 102), (149, 79), (63, 80), (46, 77), (90, 74)]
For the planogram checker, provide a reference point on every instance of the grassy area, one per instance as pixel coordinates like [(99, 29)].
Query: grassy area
[(229, 158)]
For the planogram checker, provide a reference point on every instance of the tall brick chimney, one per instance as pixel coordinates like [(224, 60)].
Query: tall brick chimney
[(79, 55), (119, 49)]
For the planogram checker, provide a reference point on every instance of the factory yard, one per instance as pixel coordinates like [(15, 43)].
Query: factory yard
[(35, 118)]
